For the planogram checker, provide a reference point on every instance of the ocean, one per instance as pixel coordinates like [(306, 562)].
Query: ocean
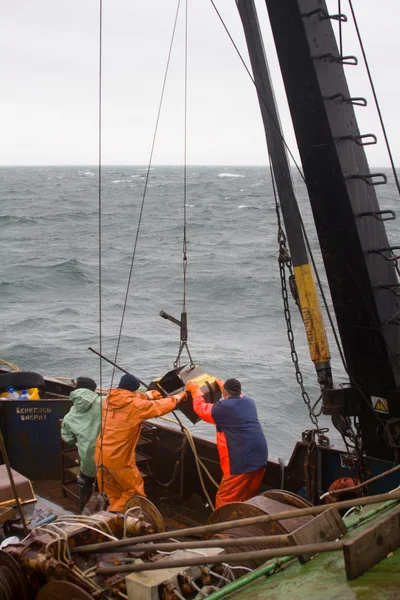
[(49, 280)]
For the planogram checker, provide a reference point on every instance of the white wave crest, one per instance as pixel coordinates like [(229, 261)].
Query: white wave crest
[(230, 175)]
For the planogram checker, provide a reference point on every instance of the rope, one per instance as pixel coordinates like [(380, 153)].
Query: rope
[(99, 225), (141, 214), (375, 96), (199, 463), (8, 364)]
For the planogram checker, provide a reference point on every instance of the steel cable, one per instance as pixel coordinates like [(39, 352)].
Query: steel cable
[(141, 214)]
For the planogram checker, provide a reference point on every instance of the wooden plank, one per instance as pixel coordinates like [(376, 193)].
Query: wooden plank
[(372, 545), (326, 527), (6, 514)]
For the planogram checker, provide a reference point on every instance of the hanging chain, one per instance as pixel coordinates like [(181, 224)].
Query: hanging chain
[(285, 262), (183, 345)]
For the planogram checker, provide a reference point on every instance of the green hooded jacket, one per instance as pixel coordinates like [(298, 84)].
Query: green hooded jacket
[(81, 426)]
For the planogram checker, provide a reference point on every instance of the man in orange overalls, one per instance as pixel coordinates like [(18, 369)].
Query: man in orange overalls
[(123, 412)]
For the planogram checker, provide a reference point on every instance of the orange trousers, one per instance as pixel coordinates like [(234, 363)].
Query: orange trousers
[(238, 488), (120, 485)]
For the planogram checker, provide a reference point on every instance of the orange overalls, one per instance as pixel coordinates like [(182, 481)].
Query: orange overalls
[(122, 415), (241, 445)]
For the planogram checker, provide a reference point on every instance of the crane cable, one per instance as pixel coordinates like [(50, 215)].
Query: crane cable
[(183, 338), (104, 421), (100, 105)]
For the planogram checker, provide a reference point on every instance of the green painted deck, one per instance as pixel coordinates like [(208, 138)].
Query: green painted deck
[(324, 577)]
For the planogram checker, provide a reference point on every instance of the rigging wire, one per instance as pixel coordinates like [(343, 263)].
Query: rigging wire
[(378, 108), (301, 174), (99, 219), (369, 308), (185, 161), (340, 29), (259, 92), (141, 209), (337, 341)]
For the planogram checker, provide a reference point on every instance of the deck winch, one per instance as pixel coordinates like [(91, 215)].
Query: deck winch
[(99, 553), (275, 501), (45, 554)]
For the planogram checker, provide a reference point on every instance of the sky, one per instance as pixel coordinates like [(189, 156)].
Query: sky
[(49, 73)]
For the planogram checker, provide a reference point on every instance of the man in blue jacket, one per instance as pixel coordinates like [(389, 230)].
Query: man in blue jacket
[(241, 442)]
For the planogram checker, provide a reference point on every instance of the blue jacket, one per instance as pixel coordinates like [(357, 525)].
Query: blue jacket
[(241, 442)]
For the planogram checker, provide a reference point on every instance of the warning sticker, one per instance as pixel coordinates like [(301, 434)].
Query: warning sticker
[(380, 405)]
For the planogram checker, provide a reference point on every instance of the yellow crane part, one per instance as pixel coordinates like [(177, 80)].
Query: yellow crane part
[(311, 312)]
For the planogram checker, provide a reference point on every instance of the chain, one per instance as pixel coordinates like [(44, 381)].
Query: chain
[(181, 347), (285, 261)]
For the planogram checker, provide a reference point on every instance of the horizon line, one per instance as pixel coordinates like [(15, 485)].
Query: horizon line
[(96, 166)]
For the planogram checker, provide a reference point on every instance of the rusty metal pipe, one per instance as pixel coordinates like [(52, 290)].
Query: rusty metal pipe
[(214, 543), (222, 558), (216, 527)]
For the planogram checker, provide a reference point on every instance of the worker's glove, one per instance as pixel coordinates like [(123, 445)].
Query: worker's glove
[(181, 397), (220, 384), (153, 395), (193, 388), (154, 386)]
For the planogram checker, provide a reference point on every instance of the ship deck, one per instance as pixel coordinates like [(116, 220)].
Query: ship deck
[(325, 575)]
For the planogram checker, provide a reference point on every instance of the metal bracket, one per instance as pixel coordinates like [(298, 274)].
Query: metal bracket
[(389, 287), (346, 401), (325, 15), (342, 60), (168, 317), (182, 323), (369, 178), (377, 215), (358, 139), (381, 251), (354, 101)]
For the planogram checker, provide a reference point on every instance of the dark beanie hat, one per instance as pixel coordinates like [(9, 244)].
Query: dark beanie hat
[(233, 386), (129, 382), (86, 383)]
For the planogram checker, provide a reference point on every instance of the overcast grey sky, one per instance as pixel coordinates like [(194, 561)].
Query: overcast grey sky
[(49, 82)]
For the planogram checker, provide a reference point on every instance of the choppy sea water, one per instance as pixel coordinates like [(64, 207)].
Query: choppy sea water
[(49, 280)]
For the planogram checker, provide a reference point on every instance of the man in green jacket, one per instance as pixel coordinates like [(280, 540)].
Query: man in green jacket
[(81, 426)]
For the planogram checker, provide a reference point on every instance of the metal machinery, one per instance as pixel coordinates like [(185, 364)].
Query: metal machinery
[(359, 261), (85, 557)]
